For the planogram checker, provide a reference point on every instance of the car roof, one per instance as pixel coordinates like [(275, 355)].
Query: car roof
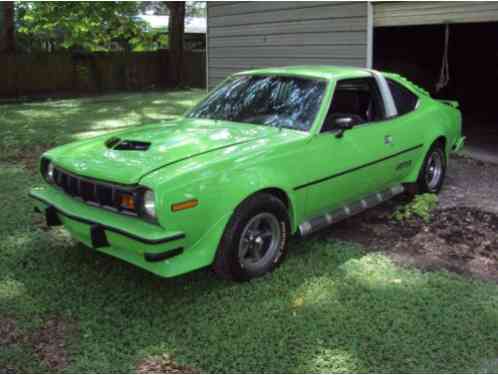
[(316, 71)]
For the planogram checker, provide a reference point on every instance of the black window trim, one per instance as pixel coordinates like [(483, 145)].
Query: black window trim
[(362, 125), (417, 104)]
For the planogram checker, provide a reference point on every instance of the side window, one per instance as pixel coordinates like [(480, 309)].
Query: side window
[(358, 98), (404, 100)]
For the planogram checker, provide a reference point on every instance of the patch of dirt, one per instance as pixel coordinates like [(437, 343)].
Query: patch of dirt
[(458, 239), (470, 183), (50, 343), (462, 236), (163, 364), (29, 157), (9, 334)]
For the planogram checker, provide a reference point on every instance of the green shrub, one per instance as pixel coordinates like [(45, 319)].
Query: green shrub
[(421, 206)]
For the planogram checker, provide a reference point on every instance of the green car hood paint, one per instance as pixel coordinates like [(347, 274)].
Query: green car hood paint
[(169, 143)]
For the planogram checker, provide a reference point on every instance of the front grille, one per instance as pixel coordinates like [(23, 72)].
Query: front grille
[(92, 192)]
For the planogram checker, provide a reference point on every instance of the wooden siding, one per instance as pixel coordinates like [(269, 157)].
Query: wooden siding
[(431, 12), (247, 35)]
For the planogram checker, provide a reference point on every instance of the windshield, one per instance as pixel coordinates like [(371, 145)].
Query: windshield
[(289, 102)]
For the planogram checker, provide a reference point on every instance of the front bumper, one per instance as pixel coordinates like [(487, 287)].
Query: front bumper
[(146, 245)]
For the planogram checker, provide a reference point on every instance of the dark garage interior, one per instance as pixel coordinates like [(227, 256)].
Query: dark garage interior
[(416, 52)]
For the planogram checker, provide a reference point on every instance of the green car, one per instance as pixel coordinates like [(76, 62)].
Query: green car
[(268, 154)]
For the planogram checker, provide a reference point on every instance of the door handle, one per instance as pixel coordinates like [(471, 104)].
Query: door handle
[(388, 139)]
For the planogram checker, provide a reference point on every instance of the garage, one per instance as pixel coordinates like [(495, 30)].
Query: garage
[(245, 35), (450, 49)]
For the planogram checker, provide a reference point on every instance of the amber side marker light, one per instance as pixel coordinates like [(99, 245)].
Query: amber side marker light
[(184, 205)]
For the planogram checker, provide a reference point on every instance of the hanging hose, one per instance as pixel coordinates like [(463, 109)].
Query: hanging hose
[(444, 77)]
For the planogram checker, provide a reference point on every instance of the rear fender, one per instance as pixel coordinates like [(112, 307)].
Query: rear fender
[(413, 176)]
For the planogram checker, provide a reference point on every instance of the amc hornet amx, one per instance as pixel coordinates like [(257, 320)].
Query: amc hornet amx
[(269, 153)]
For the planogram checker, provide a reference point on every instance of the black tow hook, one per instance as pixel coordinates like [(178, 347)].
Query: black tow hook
[(51, 217), (98, 236)]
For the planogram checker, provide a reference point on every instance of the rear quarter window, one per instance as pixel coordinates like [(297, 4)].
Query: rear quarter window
[(404, 99)]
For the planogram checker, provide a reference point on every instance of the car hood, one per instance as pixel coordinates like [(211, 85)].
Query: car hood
[(125, 157)]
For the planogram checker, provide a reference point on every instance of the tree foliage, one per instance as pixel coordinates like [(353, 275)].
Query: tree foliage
[(89, 26)]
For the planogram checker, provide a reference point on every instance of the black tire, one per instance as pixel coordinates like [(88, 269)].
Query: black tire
[(426, 184), (228, 263)]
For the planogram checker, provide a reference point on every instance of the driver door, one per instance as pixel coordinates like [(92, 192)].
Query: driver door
[(347, 167)]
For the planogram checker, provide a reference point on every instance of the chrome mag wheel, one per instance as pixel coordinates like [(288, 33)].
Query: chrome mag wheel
[(260, 241), (434, 170)]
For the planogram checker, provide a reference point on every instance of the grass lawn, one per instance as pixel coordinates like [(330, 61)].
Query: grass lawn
[(23, 126), (330, 307)]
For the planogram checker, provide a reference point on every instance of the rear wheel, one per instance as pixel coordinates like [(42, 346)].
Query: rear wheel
[(255, 239), (433, 172)]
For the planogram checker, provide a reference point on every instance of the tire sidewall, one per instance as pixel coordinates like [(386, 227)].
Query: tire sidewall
[(230, 244)]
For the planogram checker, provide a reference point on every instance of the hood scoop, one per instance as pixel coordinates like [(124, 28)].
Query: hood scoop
[(116, 143)]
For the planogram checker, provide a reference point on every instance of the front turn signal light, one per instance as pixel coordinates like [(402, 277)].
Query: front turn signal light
[(191, 203), (128, 202)]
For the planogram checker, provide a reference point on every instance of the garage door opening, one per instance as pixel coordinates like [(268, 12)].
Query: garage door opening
[(416, 52)]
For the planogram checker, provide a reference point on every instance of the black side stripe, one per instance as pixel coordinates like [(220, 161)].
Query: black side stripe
[(122, 232), (356, 168)]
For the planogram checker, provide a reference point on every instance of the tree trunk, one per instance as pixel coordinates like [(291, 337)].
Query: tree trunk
[(175, 34), (7, 30)]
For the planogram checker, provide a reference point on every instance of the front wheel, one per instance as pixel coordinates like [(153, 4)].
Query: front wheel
[(255, 239), (433, 172)]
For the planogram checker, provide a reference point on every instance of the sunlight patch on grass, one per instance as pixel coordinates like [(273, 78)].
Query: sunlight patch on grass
[(160, 101), (10, 288), (16, 241), (328, 360), (185, 103), (316, 291), (89, 134), (130, 120), (160, 117), (45, 113), (61, 121)]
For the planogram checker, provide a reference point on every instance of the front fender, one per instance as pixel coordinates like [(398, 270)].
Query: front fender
[(219, 186)]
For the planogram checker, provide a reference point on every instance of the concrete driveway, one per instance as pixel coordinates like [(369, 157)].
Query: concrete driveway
[(470, 183)]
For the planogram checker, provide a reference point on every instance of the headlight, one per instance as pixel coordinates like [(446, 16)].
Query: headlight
[(149, 204), (48, 170)]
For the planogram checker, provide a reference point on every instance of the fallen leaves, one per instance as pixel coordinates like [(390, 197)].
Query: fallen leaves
[(50, 343), (9, 333)]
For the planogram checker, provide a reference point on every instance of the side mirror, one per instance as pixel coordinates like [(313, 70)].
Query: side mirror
[(343, 124)]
